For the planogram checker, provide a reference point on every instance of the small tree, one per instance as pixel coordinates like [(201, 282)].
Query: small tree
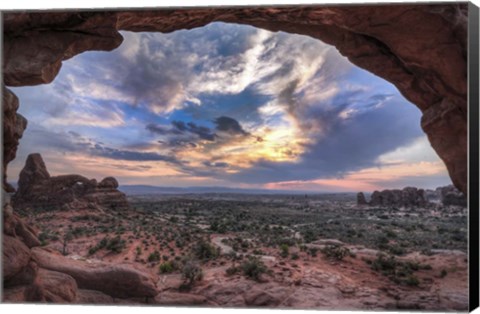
[(67, 237), (191, 273)]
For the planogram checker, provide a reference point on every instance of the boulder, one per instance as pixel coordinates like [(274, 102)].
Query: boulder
[(116, 280), (108, 183), (24, 277), (27, 233), (93, 297), (58, 287), (16, 256), (258, 297), (180, 299)]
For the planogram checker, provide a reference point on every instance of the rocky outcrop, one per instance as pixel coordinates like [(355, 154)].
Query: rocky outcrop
[(179, 299), (31, 274), (361, 200), (37, 189), (16, 256), (449, 196), (378, 38), (13, 126), (408, 197), (58, 287), (122, 281)]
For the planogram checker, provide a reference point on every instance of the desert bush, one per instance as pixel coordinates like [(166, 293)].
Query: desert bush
[(335, 252), (100, 245), (397, 271), (191, 272), (116, 244), (166, 267), (154, 257), (253, 267), (284, 250), (232, 270), (203, 250)]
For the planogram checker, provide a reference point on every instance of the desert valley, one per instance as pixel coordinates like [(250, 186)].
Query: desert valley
[(405, 249)]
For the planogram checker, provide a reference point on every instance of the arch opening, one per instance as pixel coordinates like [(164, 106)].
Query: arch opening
[(227, 105), (437, 88)]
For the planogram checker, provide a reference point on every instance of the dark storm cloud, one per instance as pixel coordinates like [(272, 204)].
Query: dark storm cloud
[(162, 130), (225, 125), (119, 154), (73, 142), (229, 125), (181, 128), (178, 143)]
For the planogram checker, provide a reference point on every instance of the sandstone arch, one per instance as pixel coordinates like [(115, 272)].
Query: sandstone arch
[(421, 49)]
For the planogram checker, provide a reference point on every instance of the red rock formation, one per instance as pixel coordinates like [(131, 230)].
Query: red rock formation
[(407, 45), (408, 197), (361, 200), (37, 189), (13, 126), (122, 281)]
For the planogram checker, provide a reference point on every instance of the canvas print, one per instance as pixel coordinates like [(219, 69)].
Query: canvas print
[(295, 157)]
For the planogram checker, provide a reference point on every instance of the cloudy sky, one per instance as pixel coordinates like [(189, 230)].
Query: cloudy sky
[(227, 105)]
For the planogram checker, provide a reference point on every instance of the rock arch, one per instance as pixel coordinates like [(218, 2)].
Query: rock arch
[(420, 48)]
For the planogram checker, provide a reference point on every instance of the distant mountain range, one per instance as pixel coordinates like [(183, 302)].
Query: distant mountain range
[(150, 189)]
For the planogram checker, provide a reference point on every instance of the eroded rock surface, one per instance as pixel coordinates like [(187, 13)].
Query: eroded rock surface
[(37, 189), (361, 200), (408, 197), (405, 44), (122, 281), (449, 195), (13, 126)]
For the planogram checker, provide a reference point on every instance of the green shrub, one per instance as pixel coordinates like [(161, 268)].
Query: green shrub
[(166, 267), (253, 268), (335, 252), (232, 271), (412, 281), (116, 244), (154, 257), (284, 250), (443, 273), (205, 251)]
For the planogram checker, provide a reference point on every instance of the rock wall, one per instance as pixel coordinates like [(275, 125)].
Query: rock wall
[(407, 45), (38, 190), (13, 126), (408, 197)]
